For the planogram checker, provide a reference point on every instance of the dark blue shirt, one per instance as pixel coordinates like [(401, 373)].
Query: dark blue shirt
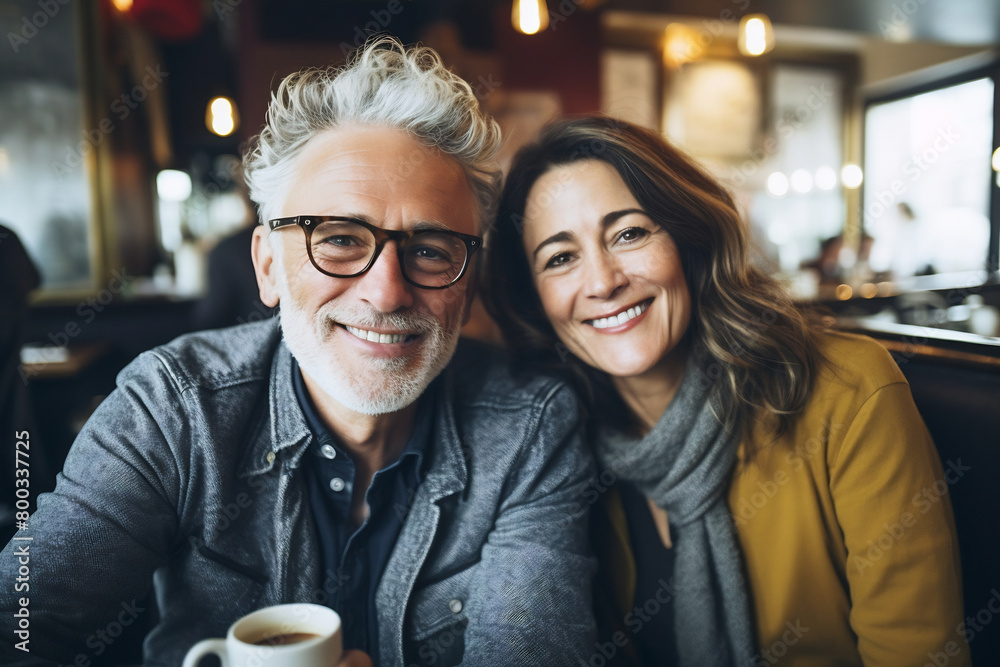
[(352, 558)]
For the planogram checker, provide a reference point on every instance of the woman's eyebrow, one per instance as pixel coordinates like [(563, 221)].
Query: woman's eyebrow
[(615, 216), (608, 219), (558, 237)]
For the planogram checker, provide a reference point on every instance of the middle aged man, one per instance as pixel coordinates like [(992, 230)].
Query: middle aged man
[(245, 468)]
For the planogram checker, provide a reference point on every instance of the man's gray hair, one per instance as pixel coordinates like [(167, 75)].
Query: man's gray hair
[(384, 84)]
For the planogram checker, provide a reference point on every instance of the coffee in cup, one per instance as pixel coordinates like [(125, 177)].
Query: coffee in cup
[(287, 638), (287, 635)]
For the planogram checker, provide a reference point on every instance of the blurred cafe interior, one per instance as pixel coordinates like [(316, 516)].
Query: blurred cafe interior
[(860, 139)]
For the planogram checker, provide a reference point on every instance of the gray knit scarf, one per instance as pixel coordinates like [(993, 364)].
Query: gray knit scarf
[(683, 465)]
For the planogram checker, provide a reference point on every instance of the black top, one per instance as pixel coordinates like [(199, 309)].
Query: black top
[(651, 624), (353, 558), (18, 273), (18, 277)]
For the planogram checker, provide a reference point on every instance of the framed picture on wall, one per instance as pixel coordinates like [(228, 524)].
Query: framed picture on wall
[(712, 109), (630, 86)]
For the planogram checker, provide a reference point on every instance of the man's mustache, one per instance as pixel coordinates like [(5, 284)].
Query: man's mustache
[(412, 321)]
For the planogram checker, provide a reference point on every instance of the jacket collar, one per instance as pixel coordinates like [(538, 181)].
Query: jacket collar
[(447, 475), (284, 427), (447, 471)]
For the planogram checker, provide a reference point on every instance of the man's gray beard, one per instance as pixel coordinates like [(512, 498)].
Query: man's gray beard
[(388, 385)]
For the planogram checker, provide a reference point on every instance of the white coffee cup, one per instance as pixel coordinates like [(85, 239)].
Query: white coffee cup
[(240, 648)]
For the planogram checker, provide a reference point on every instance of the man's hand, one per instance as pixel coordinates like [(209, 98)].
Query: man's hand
[(355, 659)]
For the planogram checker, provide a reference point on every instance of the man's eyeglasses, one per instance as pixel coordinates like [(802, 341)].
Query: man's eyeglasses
[(347, 247)]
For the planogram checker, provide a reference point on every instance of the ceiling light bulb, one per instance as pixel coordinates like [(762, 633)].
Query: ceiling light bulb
[(222, 107), (221, 116), (756, 35), (530, 16), (680, 45)]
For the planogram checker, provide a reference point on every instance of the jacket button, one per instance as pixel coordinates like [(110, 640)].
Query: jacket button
[(270, 457), (337, 484), (328, 451), (455, 606)]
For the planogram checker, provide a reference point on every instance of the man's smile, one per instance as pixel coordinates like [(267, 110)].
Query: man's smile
[(377, 337)]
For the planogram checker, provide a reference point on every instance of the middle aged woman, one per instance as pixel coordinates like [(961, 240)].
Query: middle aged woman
[(713, 401)]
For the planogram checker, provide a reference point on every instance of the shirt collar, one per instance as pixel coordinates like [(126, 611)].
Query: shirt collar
[(281, 426)]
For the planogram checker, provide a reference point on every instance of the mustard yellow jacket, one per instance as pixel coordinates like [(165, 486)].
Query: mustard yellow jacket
[(845, 524)]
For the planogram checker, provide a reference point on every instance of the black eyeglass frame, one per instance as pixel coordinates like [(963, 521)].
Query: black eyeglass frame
[(309, 222)]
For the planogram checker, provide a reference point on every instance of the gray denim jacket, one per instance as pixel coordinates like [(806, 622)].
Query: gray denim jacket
[(188, 476)]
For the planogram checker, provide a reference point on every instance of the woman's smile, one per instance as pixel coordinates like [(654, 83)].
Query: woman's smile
[(616, 321)]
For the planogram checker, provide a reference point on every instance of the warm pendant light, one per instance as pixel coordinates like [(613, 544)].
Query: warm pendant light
[(756, 35), (530, 16), (221, 116), (680, 45)]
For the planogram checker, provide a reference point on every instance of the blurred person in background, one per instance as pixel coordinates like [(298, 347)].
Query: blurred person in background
[(19, 277), (232, 296)]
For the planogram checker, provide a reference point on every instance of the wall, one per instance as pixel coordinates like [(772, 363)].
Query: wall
[(565, 59)]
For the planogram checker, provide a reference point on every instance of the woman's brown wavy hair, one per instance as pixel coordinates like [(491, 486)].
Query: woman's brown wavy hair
[(762, 347)]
